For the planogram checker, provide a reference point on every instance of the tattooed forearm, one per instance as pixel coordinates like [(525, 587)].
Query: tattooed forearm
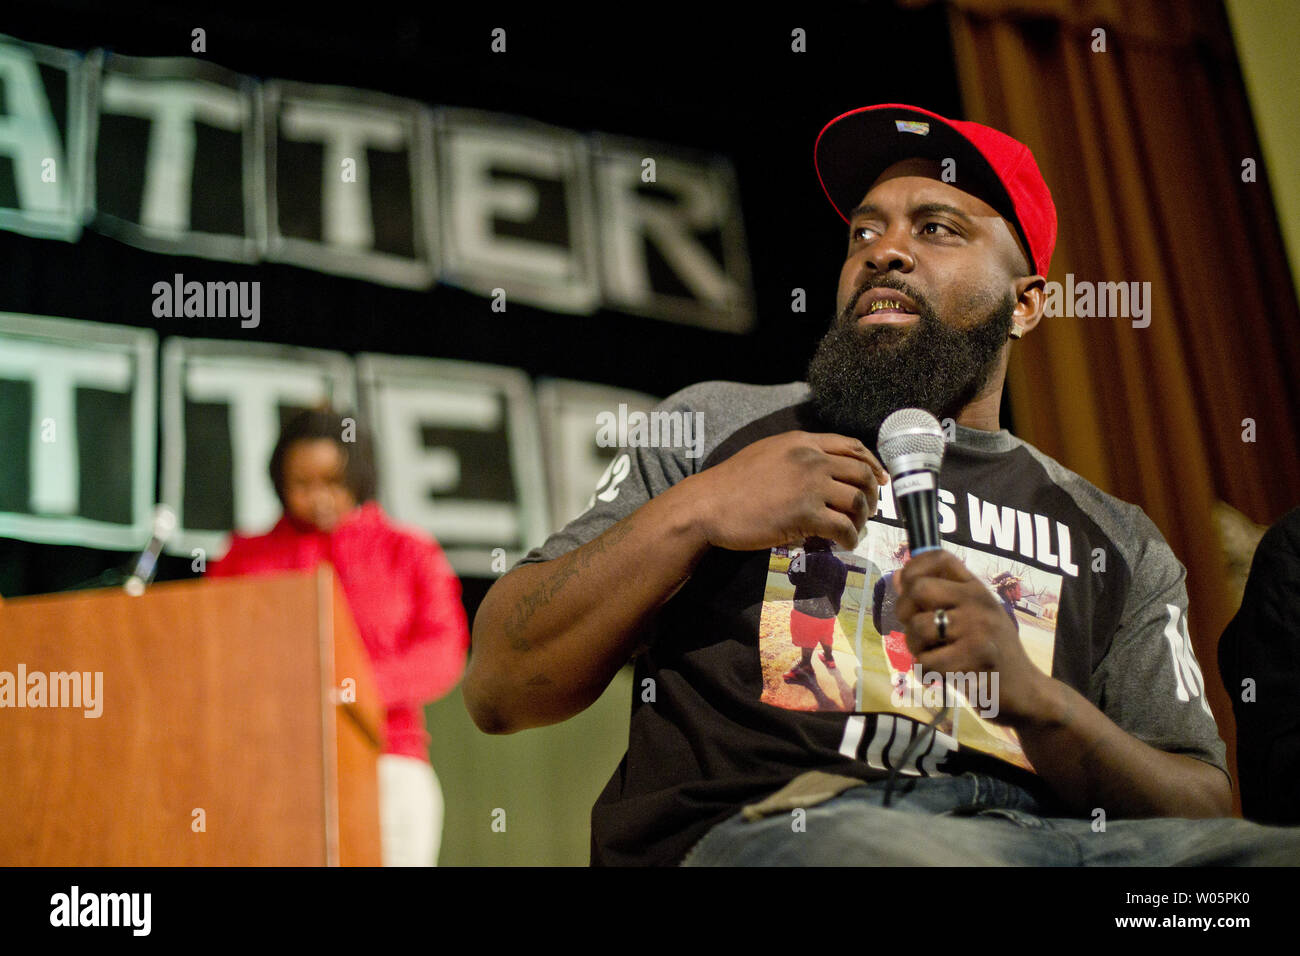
[(569, 566)]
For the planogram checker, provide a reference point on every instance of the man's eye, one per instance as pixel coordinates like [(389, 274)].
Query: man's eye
[(946, 229), (856, 232)]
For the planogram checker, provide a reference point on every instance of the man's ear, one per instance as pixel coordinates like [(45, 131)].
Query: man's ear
[(1031, 296)]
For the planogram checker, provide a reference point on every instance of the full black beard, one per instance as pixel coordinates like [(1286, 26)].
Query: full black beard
[(858, 376)]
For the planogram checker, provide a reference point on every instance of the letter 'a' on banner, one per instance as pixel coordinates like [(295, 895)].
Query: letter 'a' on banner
[(77, 419), (224, 405), (576, 458), (42, 186), (459, 454)]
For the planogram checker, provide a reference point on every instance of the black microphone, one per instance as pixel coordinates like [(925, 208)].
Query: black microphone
[(911, 447)]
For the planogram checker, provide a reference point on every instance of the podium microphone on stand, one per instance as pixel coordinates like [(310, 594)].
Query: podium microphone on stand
[(164, 523)]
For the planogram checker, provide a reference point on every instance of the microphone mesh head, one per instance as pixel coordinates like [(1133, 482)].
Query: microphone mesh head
[(911, 432), (164, 522)]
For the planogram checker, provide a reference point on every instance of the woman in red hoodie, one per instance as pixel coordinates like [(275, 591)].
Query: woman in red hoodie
[(404, 597)]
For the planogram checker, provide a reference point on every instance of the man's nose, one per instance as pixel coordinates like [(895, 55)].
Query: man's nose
[(892, 252), (889, 260)]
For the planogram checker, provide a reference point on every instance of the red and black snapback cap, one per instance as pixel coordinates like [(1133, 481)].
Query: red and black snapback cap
[(856, 147)]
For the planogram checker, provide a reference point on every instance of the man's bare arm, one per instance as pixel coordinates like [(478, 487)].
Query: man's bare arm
[(549, 637), (1089, 761)]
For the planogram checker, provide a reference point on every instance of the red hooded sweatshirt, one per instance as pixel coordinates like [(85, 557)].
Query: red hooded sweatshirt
[(403, 594)]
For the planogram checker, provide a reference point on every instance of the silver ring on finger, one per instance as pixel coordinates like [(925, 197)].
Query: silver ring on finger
[(941, 624)]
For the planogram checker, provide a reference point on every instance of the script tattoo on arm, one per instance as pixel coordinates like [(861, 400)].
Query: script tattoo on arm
[(542, 595)]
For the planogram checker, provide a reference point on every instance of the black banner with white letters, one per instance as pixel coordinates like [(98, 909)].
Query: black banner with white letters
[(186, 157), (461, 450)]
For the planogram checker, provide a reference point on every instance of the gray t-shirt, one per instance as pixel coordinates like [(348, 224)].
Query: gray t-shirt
[(1106, 613)]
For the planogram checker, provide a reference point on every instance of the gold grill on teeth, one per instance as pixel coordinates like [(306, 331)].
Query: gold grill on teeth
[(886, 304)]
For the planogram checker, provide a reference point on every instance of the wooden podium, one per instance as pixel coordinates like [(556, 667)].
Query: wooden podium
[(229, 734)]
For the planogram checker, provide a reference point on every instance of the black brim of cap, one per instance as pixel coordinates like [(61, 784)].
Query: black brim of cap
[(853, 152)]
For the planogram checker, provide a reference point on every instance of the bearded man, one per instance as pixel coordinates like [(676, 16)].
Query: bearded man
[(951, 230)]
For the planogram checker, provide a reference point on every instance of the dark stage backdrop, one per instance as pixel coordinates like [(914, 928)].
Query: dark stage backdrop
[(521, 170)]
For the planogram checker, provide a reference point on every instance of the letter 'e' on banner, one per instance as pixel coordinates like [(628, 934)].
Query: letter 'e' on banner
[(459, 454)]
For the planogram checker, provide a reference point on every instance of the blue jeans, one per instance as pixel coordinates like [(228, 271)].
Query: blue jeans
[(977, 820)]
